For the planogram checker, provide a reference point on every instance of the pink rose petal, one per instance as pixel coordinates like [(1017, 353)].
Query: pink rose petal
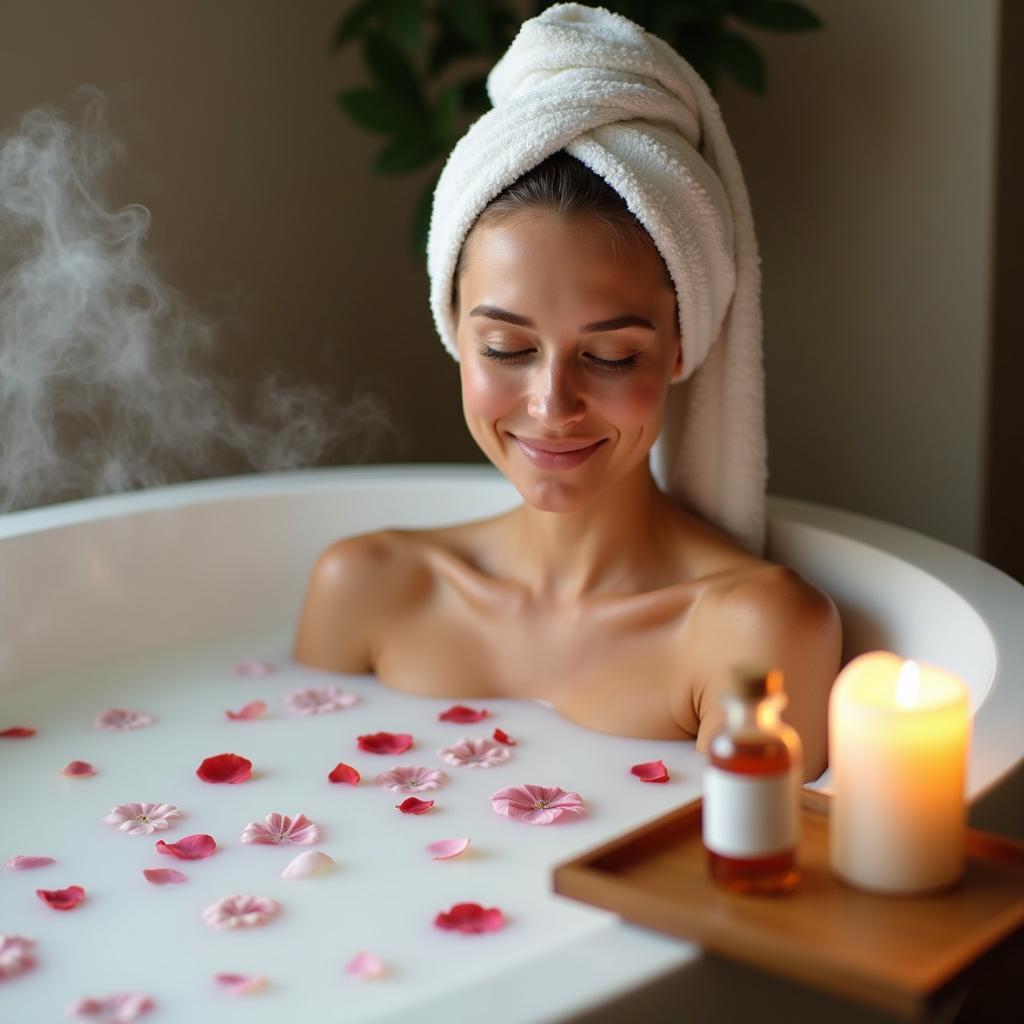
[(461, 713), (164, 876), (444, 849), (651, 771), (503, 737), (78, 769), (17, 732), (308, 863), (536, 805), (240, 984), (16, 955), (470, 918), (120, 719), (20, 863), (230, 768), (62, 899), (253, 668), (120, 1008), (366, 966), (345, 773), (240, 911), (279, 828), (385, 742), (254, 709), (194, 847), (413, 805)]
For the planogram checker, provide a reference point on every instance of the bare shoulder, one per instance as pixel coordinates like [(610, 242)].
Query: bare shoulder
[(354, 586), (766, 615)]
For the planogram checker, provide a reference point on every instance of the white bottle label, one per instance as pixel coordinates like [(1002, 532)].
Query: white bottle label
[(749, 815)]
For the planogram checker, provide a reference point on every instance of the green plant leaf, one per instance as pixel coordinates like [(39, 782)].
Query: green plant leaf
[(403, 21), (352, 23), (391, 68), (407, 153), (380, 111), (742, 60), (779, 15), (448, 104), (470, 18), (420, 225), (448, 46)]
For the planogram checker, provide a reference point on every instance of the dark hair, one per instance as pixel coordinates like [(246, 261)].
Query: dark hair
[(564, 185)]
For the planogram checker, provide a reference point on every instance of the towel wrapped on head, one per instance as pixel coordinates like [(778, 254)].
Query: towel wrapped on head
[(625, 104)]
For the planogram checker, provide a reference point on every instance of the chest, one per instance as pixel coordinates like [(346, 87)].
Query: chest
[(614, 673)]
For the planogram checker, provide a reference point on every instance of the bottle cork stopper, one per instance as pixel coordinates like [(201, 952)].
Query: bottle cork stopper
[(751, 682)]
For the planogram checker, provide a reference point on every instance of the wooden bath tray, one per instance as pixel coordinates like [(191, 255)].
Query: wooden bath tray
[(891, 952)]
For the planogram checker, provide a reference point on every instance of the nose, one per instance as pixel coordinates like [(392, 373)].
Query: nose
[(555, 398)]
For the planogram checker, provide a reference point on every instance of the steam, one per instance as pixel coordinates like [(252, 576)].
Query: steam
[(103, 386)]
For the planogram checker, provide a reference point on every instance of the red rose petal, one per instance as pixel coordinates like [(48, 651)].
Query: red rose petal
[(503, 737), (254, 709), (345, 773), (62, 899), (413, 805), (385, 742), (19, 863), (195, 847), (652, 771), (17, 732), (78, 769), (164, 876), (470, 918), (225, 768), (460, 713)]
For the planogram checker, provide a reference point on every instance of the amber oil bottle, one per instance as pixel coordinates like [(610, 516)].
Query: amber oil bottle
[(752, 788)]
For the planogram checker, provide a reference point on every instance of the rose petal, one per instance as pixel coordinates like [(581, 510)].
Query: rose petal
[(307, 863), (254, 709), (240, 984), (503, 737), (279, 828), (536, 805), (366, 966), (62, 899), (413, 805), (120, 719), (345, 773), (225, 768), (410, 778), (652, 771), (444, 849), (240, 911), (120, 1008), (77, 769), (461, 713), (17, 732), (470, 918), (469, 753), (16, 955), (253, 668), (385, 742), (194, 847), (20, 863), (164, 876)]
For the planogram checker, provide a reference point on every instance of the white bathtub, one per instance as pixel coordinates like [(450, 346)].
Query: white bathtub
[(114, 581)]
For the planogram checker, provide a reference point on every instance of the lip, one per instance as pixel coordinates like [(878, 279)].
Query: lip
[(549, 454)]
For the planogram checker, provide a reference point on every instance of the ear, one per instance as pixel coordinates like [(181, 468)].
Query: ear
[(677, 367)]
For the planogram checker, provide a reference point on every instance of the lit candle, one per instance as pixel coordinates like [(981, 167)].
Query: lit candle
[(898, 738)]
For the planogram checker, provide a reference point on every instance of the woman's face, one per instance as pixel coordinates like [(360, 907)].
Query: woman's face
[(568, 340)]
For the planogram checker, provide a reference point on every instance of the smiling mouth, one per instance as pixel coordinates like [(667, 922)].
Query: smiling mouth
[(557, 454)]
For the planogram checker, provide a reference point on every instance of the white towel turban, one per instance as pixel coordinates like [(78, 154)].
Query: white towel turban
[(626, 105)]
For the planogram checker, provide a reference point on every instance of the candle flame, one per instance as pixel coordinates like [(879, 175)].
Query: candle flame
[(908, 684)]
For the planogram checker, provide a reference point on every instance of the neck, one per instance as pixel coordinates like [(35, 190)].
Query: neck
[(606, 547)]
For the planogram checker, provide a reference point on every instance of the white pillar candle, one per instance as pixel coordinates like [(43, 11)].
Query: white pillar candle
[(898, 739)]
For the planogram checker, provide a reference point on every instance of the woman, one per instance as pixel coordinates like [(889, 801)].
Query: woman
[(623, 606)]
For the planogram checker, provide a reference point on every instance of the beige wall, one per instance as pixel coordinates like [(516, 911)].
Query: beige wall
[(870, 166)]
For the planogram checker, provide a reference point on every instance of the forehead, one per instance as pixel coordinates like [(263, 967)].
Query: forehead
[(545, 250)]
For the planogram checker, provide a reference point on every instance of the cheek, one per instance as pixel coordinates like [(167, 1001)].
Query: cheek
[(633, 403), (486, 394)]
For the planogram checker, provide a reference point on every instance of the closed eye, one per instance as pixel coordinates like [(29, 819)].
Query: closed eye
[(501, 356)]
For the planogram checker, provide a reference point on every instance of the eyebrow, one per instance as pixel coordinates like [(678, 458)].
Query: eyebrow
[(616, 323)]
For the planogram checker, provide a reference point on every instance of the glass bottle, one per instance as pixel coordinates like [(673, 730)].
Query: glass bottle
[(752, 782)]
